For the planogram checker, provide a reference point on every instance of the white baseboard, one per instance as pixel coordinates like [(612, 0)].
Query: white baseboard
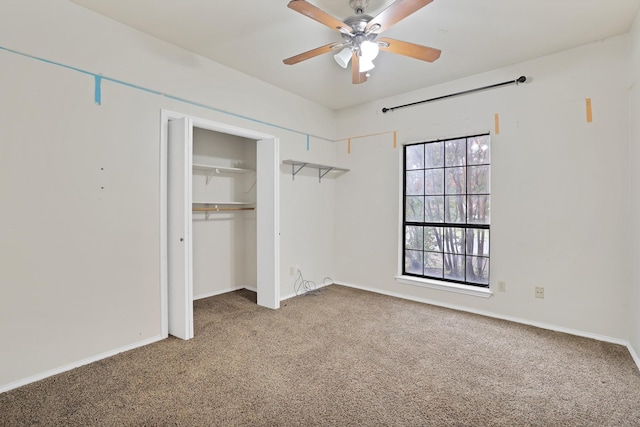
[(224, 291), (318, 286), (523, 321), (70, 366), (634, 354)]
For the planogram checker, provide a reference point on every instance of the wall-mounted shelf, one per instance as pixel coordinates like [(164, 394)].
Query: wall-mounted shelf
[(208, 207), (212, 171), (297, 166), (221, 203)]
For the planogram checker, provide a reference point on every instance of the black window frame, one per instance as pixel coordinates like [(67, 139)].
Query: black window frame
[(442, 225)]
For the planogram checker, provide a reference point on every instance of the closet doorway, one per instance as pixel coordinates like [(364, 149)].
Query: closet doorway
[(227, 175)]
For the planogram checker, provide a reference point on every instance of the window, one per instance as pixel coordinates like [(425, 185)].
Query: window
[(447, 206)]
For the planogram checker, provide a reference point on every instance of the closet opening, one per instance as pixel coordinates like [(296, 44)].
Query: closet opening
[(219, 208)]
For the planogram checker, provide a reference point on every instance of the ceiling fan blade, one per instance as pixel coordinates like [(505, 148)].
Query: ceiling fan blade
[(310, 54), (316, 14), (398, 10), (412, 50), (357, 76)]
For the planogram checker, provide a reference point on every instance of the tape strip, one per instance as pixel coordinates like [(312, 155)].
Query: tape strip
[(349, 146), (589, 110), (166, 95), (395, 139), (496, 120), (308, 143), (97, 95)]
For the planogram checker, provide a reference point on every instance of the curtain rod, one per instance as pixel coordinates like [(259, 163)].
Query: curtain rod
[(519, 80)]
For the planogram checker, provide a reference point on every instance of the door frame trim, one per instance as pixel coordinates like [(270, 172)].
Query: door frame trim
[(268, 214)]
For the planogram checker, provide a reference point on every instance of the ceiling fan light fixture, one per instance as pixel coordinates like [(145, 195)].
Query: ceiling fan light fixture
[(369, 50), (343, 57), (366, 65)]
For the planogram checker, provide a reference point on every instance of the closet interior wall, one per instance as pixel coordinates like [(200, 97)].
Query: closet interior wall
[(224, 240)]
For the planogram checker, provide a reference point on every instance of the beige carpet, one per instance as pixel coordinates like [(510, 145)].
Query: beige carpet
[(343, 357)]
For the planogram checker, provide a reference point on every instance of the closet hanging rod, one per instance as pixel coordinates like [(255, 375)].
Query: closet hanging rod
[(517, 81), (221, 209)]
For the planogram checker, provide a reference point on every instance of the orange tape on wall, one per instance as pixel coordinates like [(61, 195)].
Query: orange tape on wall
[(589, 111), (496, 123), (349, 146)]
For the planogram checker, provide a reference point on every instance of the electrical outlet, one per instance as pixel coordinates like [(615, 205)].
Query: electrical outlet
[(539, 292), (502, 286)]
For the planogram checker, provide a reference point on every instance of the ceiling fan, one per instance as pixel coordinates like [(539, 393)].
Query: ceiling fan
[(359, 35)]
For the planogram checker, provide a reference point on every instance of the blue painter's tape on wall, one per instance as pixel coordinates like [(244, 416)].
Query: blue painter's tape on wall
[(98, 94), (98, 90)]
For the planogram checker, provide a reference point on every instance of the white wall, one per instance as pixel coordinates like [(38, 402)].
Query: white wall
[(634, 163), (560, 192), (308, 208), (80, 183)]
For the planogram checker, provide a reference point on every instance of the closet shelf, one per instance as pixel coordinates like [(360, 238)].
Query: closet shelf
[(297, 166), (212, 171), (223, 203), (210, 208), (219, 169)]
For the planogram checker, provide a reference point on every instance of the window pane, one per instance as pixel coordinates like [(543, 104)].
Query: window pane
[(478, 270), (415, 182), (433, 264), (479, 180), (414, 209), (454, 267), (455, 209), (414, 156), (413, 262), (434, 155), (434, 181), (454, 240), (413, 237), (479, 150), (456, 152), (433, 239), (447, 209), (477, 242), (456, 181), (479, 209), (434, 209)]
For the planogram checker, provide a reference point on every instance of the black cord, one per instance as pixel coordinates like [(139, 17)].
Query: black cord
[(308, 287)]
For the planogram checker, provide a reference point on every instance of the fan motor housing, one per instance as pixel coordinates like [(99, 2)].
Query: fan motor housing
[(358, 23)]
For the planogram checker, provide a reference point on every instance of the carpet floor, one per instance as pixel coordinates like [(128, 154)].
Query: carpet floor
[(342, 357)]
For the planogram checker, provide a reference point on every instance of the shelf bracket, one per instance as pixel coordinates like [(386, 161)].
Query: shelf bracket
[(210, 176), (321, 175), (295, 171), (252, 185)]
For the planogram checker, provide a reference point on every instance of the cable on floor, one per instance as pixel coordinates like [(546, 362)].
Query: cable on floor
[(308, 287)]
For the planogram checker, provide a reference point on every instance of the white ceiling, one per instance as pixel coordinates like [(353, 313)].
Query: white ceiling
[(254, 36)]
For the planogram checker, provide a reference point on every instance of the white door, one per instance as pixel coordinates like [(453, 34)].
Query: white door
[(179, 247)]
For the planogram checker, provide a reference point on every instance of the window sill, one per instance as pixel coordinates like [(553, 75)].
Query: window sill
[(445, 286)]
